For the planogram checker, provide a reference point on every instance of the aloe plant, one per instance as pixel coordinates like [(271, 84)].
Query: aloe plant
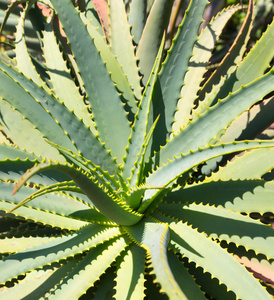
[(115, 177)]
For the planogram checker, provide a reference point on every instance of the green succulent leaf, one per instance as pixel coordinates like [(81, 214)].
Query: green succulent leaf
[(138, 174), (60, 77), (113, 66), (23, 59), (139, 128), (76, 207), (133, 262), (123, 48), (21, 130), (110, 205), (228, 64), (252, 165), (197, 66), (260, 56), (137, 19), (152, 34), (19, 244), (242, 196), (38, 281), (88, 270), (183, 278), (106, 113), (177, 62), (55, 250), (13, 152), (102, 176), (202, 251), (167, 174), (223, 224), (48, 125), (191, 136), (142, 234)]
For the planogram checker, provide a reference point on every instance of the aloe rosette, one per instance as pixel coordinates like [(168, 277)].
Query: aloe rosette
[(116, 170)]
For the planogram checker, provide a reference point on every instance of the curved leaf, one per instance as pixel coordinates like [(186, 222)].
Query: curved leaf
[(251, 165), (223, 224), (24, 134), (253, 65), (220, 116), (176, 65), (114, 68), (245, 196), (88, 270), (108, 204), (201, 54), (154, 237), (36, 107), (133, 263), (167, 174), (55, 250), (23, 59), (202, 250), (209, 90)]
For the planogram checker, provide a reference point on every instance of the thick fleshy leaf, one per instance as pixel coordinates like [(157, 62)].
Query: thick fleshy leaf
[(253, 65), (108, 204), (130, 280), (245, 196), (251, 165), (19, 244), (176, 65), (223, 224), (55, 250), (154, 237), (60, 77), (203, 251), (201, 54), (248, 126), (103, 177), (23, 59), (24, 134), (12, 152), (122, 44), (37, 283), (89, 269), (167, 174), (151, 38), (220, 115), (210, 89), (107, 114), (184, 279), (139, 129), (114, 68), (41, 217), (35, 107), (137, 18), (52, 199)]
